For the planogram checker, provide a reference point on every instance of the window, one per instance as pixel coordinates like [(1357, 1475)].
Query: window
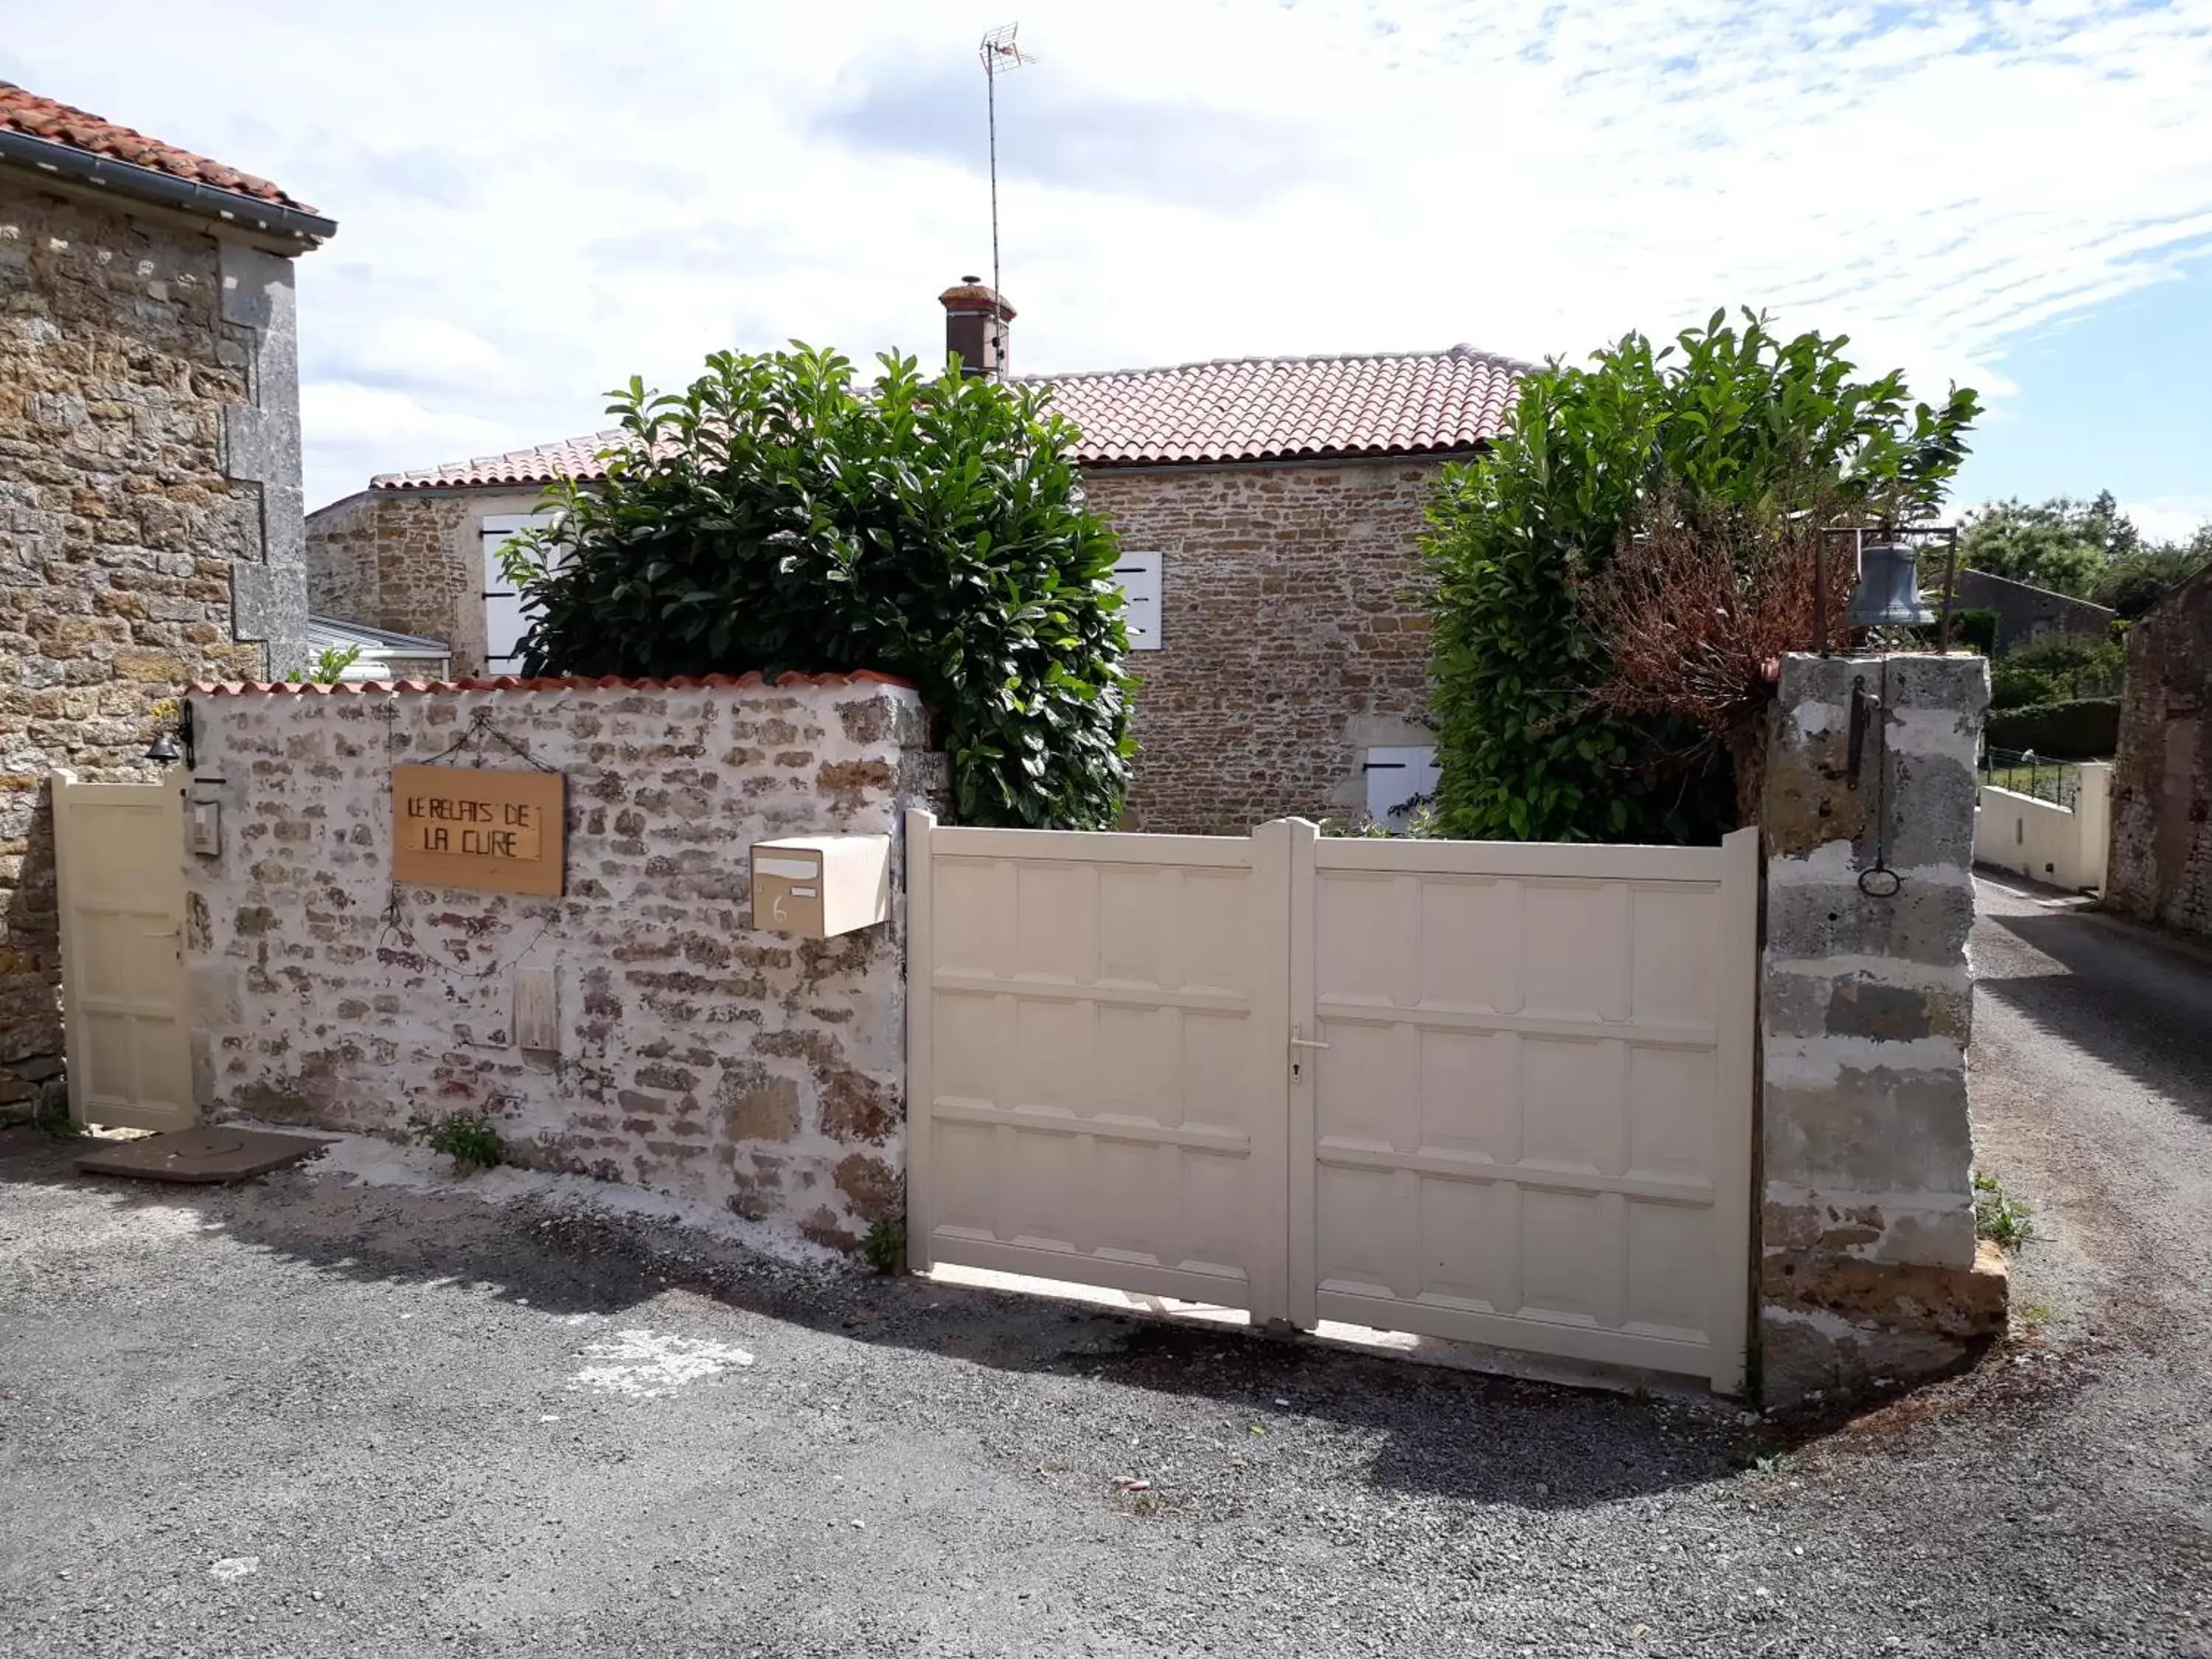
[(503, 624), (1139, 576), (1399, 780)]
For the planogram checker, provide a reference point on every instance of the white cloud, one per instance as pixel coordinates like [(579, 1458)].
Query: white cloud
[(535, 203), (2170, 518), (339, 412)]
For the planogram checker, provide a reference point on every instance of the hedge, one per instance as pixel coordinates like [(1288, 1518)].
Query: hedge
[(2088, 728)]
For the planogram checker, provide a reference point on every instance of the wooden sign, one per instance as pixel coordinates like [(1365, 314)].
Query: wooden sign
[(497, 832)]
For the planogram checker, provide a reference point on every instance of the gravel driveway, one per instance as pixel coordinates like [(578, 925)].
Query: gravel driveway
[(304, 1417)]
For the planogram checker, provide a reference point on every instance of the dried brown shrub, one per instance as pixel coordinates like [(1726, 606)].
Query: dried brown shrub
[(1695, 610)]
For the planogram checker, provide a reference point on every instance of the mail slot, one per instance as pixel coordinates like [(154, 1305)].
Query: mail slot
[(819, 886)]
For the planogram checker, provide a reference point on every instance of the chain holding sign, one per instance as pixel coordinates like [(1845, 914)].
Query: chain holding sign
[(490, 831)]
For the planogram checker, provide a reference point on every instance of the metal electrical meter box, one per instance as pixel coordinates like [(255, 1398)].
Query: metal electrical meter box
[(819, 886)]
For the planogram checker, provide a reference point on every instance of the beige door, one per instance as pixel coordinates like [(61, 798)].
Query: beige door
[(120, 852), (1527, 1122), (1095, 1054)]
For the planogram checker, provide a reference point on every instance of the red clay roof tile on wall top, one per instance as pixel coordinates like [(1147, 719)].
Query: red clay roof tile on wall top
[(752, 681), (1250, 409), (63, 124)]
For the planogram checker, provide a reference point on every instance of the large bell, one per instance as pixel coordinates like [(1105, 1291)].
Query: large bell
[(1889, 593)]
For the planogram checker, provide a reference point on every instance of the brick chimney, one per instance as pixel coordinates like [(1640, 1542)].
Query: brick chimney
[(976, 318)]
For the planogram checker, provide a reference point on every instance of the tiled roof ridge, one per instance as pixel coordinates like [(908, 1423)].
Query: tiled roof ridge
[(1460, 352), (1350, 406), (751, 680), (37, 116)]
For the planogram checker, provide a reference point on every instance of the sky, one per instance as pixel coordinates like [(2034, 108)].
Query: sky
[(536, 201)]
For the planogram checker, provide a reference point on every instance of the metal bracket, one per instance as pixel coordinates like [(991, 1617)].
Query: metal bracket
[(1864, 706)]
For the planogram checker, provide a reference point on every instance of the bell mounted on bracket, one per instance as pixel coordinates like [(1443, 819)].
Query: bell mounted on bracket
[(1889, 593), (1888, 590)]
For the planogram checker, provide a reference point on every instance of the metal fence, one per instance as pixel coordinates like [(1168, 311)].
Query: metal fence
[(2025, 773)]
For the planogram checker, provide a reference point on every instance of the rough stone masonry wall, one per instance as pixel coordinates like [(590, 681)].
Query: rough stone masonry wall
[(1293, 636), (697, 1056), (409, 560), (2159, 869), (1869, 1262), (150, 525)]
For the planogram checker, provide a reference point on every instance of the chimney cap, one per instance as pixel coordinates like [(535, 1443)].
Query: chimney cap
[(973, 293)]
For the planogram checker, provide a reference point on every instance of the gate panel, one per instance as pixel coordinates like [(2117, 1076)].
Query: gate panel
[(119, 848), (1530, 1125), (1095, 1059)]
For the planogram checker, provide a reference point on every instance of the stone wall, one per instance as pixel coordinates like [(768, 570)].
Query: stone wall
[(1293, 636), (697, 1055), (1869, 1262), (2159, 870), (150, 526), (409, 560)]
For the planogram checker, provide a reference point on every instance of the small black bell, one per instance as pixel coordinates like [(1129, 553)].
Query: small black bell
[(162, 752)]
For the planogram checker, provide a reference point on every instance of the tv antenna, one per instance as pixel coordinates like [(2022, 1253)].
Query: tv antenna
[(1001, 54)]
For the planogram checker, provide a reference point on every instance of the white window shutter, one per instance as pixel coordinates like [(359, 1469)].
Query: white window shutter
[(1396, 778), (1139, 576), (503, 620)]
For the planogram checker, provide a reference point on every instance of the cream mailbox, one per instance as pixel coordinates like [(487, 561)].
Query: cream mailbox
[(819, 886)]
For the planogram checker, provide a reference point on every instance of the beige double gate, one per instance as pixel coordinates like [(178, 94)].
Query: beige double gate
[(1494, 1093)]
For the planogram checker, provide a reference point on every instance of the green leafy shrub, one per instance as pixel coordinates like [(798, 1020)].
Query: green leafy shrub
[(775, 517), (470, 1139), (1727, 425), (2059, 669), (2134, 583), (1975, 630), (2086, 729)]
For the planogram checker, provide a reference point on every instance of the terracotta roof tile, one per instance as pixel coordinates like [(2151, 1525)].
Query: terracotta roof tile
[(1247, 408), (572, 458), (61, 123), (746, 682)]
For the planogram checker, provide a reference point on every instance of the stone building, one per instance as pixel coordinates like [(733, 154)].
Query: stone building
[(2159, 868), (1268, 511), (151, 524), (2026, 613)]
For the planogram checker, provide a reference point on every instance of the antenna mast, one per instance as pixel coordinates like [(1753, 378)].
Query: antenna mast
[(1001, 54)]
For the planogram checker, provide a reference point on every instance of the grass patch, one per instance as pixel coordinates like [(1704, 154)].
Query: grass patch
[(1998, 1216), (470, 1139)]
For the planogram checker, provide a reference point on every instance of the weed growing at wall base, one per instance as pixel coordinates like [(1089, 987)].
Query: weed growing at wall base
[(885, 1246), (1999, 1217), (470, 1139)]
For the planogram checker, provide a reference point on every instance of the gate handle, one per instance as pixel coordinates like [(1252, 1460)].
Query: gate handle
[(1303, 1042)]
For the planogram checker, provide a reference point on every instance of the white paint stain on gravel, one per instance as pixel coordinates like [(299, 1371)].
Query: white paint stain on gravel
[(647, 1365), (235, 1566)]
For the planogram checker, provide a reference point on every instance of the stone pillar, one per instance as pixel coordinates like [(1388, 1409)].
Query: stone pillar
[(1868, 1266), (261, 446)]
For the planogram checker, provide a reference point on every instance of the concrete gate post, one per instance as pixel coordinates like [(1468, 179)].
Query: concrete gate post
[(1868, 1268)]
